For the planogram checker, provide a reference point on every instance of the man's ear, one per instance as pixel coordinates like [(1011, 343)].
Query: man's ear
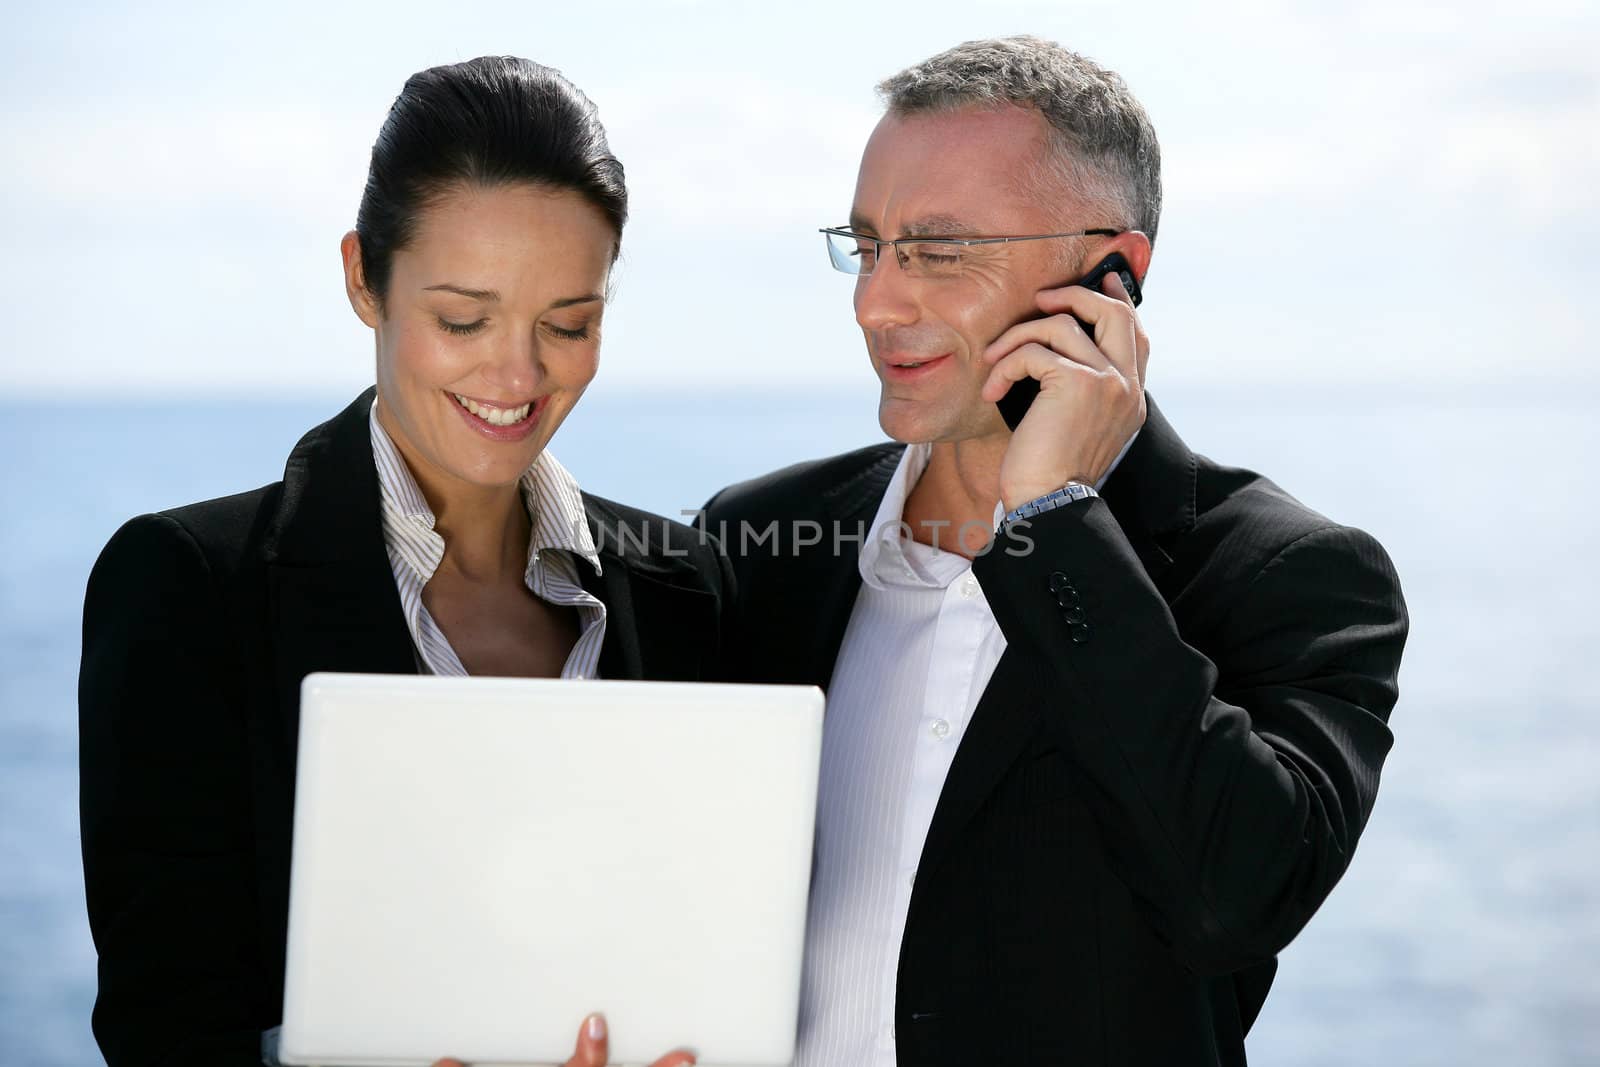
[(1135, 248), (362, 299)]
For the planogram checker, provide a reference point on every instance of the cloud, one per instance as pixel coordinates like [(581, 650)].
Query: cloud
[(737, 153), (113, 162), (1317, 159)]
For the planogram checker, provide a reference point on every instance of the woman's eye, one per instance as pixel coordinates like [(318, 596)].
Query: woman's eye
[(580, 334), (462, 329)]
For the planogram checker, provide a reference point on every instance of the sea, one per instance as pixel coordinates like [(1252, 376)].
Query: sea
[(1467, 930)]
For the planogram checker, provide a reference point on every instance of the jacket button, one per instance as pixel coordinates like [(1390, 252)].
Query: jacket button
[(1080, 634), (1059, 581), (1074, 614), (1068, 598)]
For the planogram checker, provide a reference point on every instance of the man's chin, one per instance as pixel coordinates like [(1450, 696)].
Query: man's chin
[(908, 422), (921, 423)]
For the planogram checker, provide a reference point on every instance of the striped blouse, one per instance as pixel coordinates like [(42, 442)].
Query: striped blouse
[(559, 539)]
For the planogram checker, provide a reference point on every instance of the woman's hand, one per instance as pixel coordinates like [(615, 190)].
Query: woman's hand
[(591, 1050)]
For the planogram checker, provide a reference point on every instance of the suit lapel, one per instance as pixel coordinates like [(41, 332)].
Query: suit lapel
[(331, 594), (1151, 493), (832, 581), (334, 618), (620, 655), (1000, 728), (658, 607)]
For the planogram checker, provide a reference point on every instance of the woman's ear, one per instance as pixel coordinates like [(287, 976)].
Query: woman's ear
[(362, 300)]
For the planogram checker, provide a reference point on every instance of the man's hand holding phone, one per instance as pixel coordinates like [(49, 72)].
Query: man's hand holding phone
[(1088, 353)]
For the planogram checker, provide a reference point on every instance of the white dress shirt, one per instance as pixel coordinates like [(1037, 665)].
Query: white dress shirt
[(559, 538), (917, 655)]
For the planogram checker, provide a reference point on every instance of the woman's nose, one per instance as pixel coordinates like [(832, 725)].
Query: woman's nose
[(515, 366)]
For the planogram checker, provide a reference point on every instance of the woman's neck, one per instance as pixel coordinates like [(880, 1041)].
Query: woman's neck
[(485, 531), (486, 528)]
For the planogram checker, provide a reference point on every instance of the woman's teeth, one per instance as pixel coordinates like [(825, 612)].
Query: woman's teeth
[(494, 416)]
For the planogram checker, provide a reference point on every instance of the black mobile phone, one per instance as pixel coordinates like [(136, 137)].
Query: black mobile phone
[(1015, 403)]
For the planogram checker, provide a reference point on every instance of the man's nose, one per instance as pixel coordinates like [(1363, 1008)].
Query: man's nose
[(886, 297)]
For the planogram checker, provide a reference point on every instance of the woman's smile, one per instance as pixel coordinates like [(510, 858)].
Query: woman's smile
[(497, 423)]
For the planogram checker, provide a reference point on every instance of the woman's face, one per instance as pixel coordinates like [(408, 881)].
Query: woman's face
[(490, 330)]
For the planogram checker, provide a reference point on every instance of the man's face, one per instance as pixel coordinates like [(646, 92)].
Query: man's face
[(964, 173)]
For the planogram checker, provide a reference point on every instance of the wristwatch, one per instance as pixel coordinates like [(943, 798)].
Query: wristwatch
[(1070, 493)]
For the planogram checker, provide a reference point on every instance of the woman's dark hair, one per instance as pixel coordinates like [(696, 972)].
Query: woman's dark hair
[(495, 120)]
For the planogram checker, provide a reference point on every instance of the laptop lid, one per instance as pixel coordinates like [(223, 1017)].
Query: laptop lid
[(478, 863)]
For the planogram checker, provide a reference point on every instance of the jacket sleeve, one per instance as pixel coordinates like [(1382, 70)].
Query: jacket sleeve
[(1230, 788), (165, 810)]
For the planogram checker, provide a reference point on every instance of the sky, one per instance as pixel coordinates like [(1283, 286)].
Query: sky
[(1378, 195)]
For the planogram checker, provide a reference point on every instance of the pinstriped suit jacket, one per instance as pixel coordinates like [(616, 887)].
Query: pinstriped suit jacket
[(199, 624), (1168, 771)]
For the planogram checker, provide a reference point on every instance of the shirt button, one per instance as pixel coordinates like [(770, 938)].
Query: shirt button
[(969, 587), (911, 879), (940, 729), (888, 1031)]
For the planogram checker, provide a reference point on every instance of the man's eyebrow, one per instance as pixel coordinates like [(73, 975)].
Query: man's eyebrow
[(937, 226), (926, 226), (487, 296)]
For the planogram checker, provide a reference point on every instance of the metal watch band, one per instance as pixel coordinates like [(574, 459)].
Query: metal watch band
[(1070, 493)]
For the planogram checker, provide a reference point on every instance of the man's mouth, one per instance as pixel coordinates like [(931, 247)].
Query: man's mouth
[(901, 366), (495, 416)]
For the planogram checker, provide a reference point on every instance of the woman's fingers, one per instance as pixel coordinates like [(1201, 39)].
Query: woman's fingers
[(593, 1046)]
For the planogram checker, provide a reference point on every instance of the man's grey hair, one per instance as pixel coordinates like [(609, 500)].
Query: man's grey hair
[(1105, 148)]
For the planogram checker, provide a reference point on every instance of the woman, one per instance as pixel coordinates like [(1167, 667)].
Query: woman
[(423, 529)]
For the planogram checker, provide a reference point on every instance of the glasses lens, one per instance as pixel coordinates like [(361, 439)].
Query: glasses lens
[(850, 255), (930, 259)]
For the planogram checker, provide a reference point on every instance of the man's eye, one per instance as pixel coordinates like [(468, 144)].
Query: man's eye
[(934, 258)]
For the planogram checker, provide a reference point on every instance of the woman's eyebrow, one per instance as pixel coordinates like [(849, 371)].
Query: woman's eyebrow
[(488, 296), (492, 296)]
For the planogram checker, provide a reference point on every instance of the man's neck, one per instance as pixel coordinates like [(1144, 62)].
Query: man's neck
[(952, 505)]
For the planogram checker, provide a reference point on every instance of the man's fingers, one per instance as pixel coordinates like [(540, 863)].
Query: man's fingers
[(1061, 334), (593, 1044), (1114, 329), (1029, 361), (1114, 288), (1078, 300), (1141, 341)]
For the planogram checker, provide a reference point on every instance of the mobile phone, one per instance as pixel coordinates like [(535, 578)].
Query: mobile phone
[(1014, 405)]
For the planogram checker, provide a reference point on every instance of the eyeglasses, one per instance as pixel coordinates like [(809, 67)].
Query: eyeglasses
[(922, 257)]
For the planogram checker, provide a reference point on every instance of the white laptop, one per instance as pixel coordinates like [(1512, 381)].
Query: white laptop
[(481, 862)]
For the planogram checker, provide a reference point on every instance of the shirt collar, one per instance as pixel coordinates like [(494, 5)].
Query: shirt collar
[(549, 491), (883, 558)]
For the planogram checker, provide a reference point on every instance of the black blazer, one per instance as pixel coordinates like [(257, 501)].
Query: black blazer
[(1168, 770), (199, 624)]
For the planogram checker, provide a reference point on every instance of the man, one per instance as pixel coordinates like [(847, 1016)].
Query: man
[(1091, 759)]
